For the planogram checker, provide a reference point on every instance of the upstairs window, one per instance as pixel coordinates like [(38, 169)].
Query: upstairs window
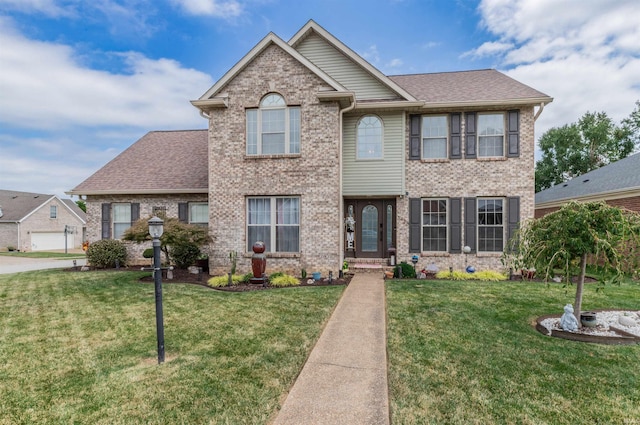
[(434, 137), (53, 211), (369, 138), (273, 128), (490, 135)]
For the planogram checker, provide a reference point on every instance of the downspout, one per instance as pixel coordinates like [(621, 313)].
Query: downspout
[(341, 209), (535, 117)]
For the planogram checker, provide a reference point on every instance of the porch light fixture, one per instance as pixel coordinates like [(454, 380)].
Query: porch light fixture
[(156, 229)]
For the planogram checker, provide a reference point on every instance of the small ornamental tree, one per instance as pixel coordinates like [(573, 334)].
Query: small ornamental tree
[(563, 238), (176, 233)]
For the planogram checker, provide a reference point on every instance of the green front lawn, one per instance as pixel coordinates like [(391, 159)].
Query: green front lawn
[(81, 348), (467, 353)]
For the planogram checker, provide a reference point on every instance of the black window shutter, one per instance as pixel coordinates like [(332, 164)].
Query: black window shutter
[(513, 216), (455, 225), (183, 212), (106, 221), (513, 134), (470, 215), (455, 142), (415, 234), (414, 136), (135, 212), (470, 135)]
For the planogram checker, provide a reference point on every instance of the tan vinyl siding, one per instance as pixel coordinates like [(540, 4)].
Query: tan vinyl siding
[(343, 69), (375, 177)]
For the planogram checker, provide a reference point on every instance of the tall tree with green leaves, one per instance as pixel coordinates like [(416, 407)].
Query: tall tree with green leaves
[(577, 148), (563, 240)]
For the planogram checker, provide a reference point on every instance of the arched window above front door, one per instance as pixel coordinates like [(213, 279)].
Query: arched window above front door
[(369, 138)]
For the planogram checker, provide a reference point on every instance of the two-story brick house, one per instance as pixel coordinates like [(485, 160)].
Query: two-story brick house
[(314, 151)]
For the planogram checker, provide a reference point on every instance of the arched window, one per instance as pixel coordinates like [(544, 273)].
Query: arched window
[(273, 128), (369, 138)]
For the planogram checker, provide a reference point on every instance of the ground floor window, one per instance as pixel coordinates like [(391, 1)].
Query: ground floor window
[(121, 219), (199, 213), (275, 221), (490, 225), (434, 225)]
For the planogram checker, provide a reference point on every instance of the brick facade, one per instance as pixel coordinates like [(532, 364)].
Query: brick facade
[(499, 178), (147, 203), (313, 175)]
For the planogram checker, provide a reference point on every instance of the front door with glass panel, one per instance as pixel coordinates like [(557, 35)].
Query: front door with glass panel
[(369, 227)]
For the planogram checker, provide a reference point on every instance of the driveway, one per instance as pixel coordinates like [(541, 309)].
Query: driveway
[(10, 264)]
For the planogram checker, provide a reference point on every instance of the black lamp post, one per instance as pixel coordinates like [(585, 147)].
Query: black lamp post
[(156, 228)]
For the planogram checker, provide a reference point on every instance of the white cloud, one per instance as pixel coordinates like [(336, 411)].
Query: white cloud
[(45, 87), (585, 54), (395, 63), (217, 8), (371, 54), (51, 8)]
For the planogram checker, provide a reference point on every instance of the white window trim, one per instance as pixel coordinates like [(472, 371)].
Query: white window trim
[(191, 204), (113, 218), (504, 134), (287, 127), (423, 137), (504, 225), (422, 225), (273, 220), (381, 157)]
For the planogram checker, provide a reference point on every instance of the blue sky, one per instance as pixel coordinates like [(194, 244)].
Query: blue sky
[(80, 81)]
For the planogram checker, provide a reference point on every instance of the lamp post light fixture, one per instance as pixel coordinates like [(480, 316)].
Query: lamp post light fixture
[(156, 228)]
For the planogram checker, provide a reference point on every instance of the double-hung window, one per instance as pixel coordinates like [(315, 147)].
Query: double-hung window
[(273, 128), (491, 135), (490, 225), (434, 136), (275, 221), (369, 138), (53, 211), (199, 213), (434, 225), (121, 219)]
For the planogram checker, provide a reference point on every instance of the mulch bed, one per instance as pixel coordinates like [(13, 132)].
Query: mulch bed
[(183, 276)]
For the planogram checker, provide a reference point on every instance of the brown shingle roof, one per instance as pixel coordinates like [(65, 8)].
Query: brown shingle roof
[(479, 86), (17, 205), (160, 162)]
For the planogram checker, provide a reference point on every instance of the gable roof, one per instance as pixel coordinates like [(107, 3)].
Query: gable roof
[(17, 206), (312, 27), (159, 162), (271, 38), (479, 87), (612, 180)]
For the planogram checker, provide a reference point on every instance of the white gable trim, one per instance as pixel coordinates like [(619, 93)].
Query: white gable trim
[(271, 38), (313, 26)]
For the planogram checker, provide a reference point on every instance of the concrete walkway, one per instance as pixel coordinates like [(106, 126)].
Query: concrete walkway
[(345, 378), (9, 264)]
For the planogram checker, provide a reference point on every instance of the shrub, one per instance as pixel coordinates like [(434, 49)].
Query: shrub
[(185, 254), (148, 253), (247, 277), (283, 280), (487, 275), (408, 271), (104, 253), (275, 276), (221, 281)]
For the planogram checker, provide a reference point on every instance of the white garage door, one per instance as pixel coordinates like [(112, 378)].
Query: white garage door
[(49, 241)]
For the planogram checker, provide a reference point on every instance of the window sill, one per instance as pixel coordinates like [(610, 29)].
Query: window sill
[(491, 158), (275, 254), (277, 156), (489, 254), (435, 160), (434, 254)]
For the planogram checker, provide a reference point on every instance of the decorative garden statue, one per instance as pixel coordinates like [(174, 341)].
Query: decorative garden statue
[(258, 263), (568, 321)]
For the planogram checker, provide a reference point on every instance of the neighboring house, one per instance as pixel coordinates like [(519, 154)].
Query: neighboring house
[(39, 222), (617, 184), (314, 151)]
